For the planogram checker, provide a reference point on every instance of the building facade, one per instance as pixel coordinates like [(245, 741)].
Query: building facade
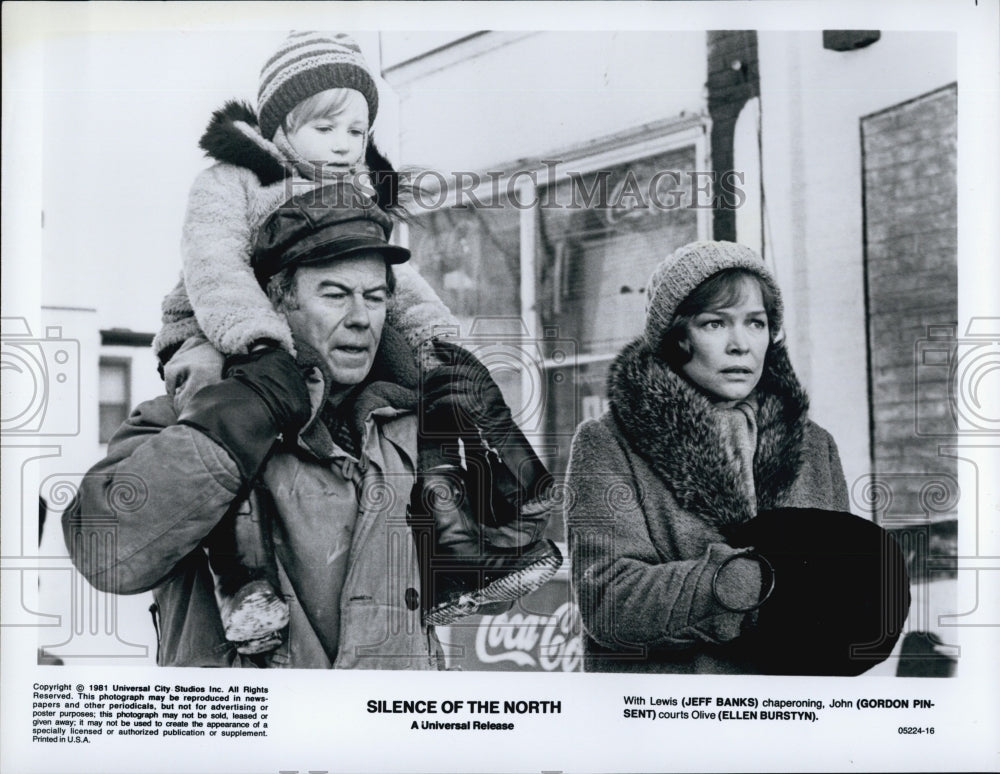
[(555, 170)]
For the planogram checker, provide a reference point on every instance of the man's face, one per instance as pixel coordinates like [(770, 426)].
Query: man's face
[(340, 312)]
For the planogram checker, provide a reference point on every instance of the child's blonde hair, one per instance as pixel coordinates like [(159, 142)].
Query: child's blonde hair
[(325, 104)]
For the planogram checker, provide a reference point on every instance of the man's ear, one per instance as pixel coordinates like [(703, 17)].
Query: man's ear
[(685, 345)]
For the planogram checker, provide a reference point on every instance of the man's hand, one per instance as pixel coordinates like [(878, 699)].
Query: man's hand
[(262, 397), (274, 375), (195, 365)]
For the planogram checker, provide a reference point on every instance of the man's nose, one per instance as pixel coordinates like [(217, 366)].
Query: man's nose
[(357, 314)]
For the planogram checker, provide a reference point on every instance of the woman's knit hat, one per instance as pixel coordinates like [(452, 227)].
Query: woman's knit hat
[(306, 64), (684, 270)]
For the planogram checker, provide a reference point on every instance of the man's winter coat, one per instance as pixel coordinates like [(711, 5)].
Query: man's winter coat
[(227, 205), (143, 513), (650, 489)]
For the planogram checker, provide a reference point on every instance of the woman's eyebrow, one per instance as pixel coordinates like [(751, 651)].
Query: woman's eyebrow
[(724, 312)]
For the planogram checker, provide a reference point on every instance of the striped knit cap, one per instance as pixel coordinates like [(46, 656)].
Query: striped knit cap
[(306, 64), (680, 273)]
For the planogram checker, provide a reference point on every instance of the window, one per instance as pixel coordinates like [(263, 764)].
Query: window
[(592, 269), (114, 395), (562, 270)]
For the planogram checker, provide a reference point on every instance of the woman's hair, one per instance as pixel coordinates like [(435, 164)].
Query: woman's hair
[(722, 289), (325, 104)]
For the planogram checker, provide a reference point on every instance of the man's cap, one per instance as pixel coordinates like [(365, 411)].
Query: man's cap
[(334, 221)]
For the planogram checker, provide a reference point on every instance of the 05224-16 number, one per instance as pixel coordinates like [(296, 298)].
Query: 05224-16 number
[(915, 730)]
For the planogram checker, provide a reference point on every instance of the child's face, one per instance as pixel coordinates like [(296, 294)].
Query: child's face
[(337, 141)]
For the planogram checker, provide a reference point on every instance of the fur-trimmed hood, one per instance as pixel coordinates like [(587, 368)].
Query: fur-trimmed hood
[(233, 137), (678, 431)]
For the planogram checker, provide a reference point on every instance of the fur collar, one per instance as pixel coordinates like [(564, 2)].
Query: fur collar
[(675, 428), (233, 137)]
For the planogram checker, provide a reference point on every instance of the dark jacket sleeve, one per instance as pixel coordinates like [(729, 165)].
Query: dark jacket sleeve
[(629, 592), (149, 503)]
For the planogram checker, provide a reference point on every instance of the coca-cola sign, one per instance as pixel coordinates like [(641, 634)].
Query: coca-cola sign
[(547, 642)]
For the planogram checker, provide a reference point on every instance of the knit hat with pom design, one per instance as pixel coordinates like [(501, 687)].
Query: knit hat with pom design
[(686, 268), (306, 64)]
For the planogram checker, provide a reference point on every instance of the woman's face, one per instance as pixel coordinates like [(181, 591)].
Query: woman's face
[(728, 345)]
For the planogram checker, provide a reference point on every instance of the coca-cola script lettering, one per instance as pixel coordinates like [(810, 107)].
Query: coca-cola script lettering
[(549, 642)]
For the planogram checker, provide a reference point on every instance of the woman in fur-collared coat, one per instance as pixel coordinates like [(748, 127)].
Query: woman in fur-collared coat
[(707, 426)]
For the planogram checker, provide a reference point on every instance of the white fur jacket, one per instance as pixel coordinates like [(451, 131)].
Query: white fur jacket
[(218, 294)]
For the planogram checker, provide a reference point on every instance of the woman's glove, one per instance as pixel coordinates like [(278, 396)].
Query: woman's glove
[(262, 399)]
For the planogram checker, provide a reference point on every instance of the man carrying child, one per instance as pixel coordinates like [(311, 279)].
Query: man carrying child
[(242, 312), (319, 451)]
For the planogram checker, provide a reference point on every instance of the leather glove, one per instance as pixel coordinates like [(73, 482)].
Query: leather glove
[(193, 366), (262, 399), (461, 397)]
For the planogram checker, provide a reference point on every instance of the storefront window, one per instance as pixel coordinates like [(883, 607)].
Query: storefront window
[(596, 228), (592, 267), (593, 261), (472, 259)]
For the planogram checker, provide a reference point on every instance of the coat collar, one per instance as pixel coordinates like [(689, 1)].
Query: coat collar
[(677, 430), (388, 391), (232, 137)]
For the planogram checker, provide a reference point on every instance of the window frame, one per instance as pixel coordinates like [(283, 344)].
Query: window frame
[(126, 364), (645, 141)]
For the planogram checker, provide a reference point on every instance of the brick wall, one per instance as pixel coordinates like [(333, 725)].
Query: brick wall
[(910, 210)]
